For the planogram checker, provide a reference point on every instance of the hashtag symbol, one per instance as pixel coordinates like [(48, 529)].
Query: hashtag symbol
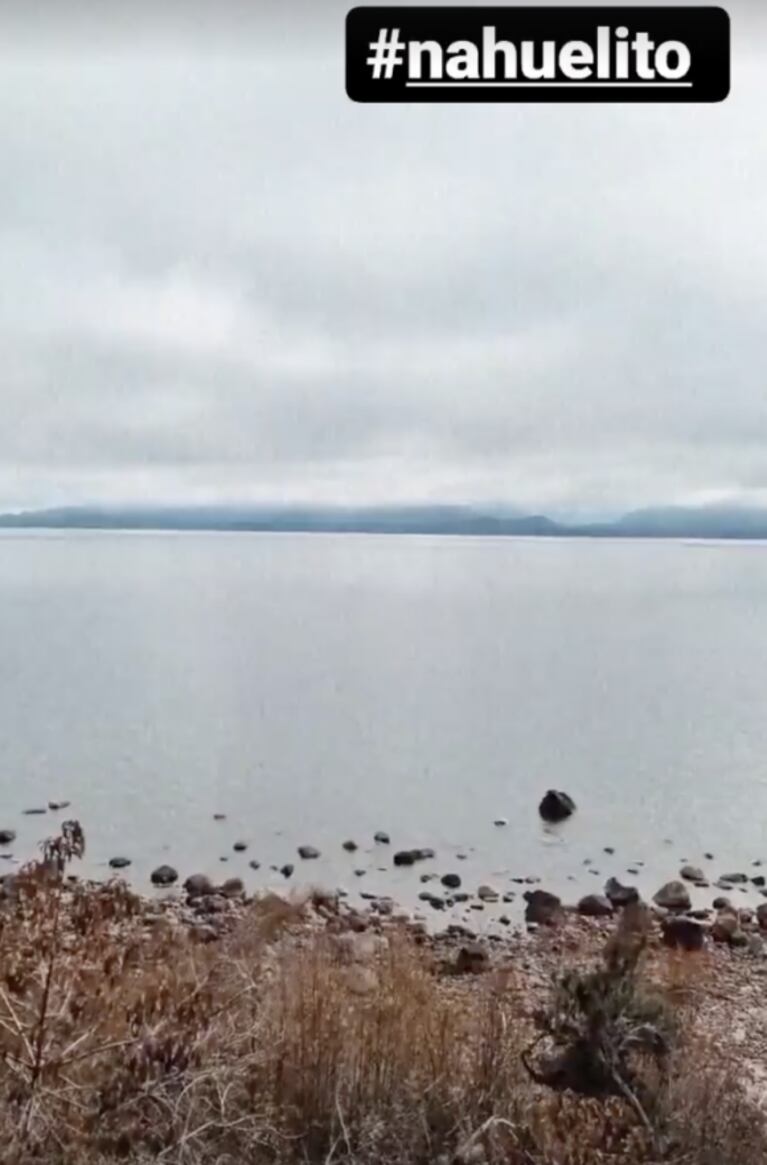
[(388, 53)]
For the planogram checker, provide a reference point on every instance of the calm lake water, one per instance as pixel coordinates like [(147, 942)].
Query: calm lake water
[(315, 688)]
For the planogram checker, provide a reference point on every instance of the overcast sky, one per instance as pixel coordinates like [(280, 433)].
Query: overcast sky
[(221, 279)]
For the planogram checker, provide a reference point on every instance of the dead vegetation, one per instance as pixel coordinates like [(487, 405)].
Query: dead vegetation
[(292, 1042)]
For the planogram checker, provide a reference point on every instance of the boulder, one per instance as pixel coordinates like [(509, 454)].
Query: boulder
[(308, 852), (452, 881), (7, 836), (673, 896), (595, 906), (692, 874), (556, 806), (198, 885), (619, 894), (542, 907), (683, 933), (119, 863)]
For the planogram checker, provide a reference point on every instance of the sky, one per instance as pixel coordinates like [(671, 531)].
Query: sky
[(222, 280)]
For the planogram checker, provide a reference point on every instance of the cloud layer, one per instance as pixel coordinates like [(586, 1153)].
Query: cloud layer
[(222, 279)]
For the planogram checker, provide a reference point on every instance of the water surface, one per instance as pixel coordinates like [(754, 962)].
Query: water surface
[(315, 688)]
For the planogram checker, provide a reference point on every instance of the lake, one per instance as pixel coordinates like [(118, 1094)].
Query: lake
[(317, 688)]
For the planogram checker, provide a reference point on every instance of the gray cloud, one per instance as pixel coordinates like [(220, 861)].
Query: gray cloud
[(220, 278)]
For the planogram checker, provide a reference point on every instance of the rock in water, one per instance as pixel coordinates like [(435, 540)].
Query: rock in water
[(119, 863), (542, 907), (56, 805), (286, 870), (240, 846), (451, 881), (556, 806), (308, 852), (7, 836), (164, 876), (382, 838), (595, 906), (405, 857), (350, 846), (673, 896)]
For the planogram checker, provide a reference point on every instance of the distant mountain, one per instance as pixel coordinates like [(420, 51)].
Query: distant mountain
[(662, 522), (365, 520)]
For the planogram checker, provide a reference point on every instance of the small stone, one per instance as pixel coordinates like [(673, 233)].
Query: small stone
[(164, 876), (197, 885), (452, 881), (240, 846), (761, 915), (219, 816), (308, 852), (286, 870), (404, 857), (360, 873), (382, 838), (7, 836), (501, 821), (350, 846), (684, 933), (595, 906), (734, 879), (471, 959), (722, 903), (692, 874), (487, 894), (254, 865), (232, 888), (725, 926), (34, 812), (542, 907), (619, 894), (57, 805), (673, 896), (759, 880), (119, 863), (609, 849)]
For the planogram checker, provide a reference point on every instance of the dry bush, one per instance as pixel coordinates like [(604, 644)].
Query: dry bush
[(290, 1044)]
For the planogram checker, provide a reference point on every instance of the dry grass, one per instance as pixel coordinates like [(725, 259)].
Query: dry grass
[(289, 1043)]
